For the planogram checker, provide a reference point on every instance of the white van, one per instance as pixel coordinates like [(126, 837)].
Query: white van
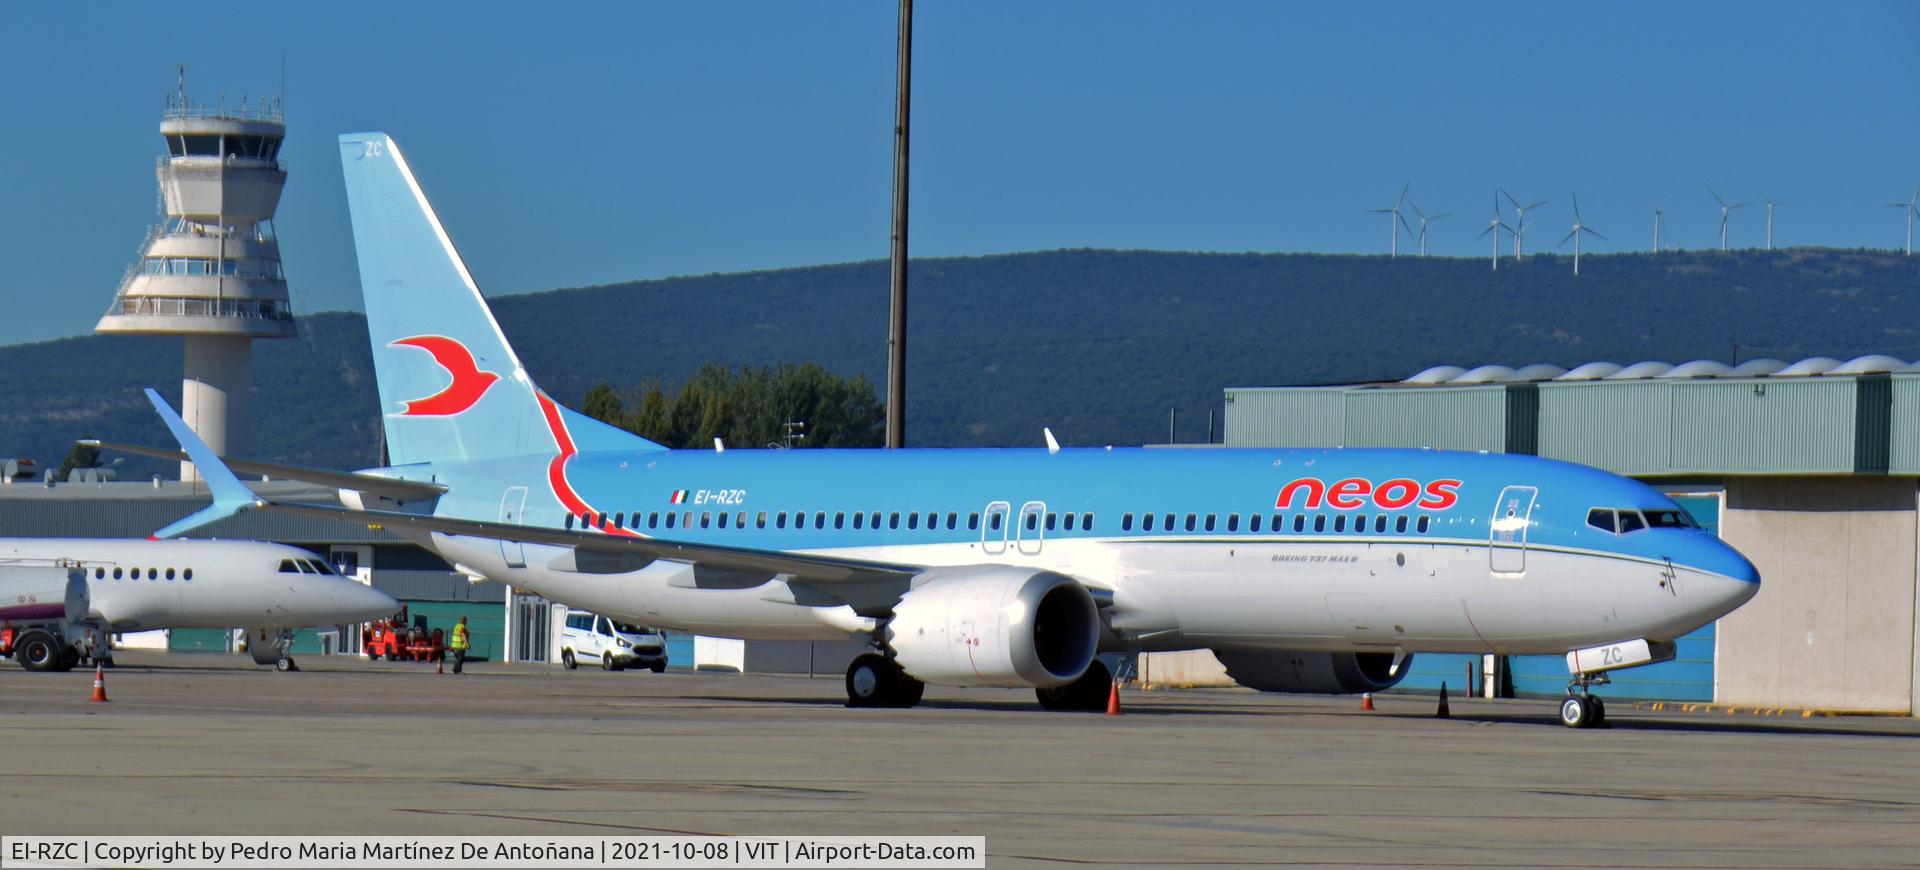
[(615, 645)]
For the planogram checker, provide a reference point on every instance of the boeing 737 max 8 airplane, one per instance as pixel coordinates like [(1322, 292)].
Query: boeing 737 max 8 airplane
[(1304, 570)]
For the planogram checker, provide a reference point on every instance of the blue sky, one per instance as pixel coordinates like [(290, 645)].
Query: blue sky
[(568, 144)]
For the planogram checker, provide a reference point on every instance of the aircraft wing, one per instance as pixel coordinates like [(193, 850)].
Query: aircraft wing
[(372, 484), (806, 566)]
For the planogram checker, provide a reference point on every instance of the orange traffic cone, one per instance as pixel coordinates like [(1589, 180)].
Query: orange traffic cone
[(1113, 699), (1443, 712), (1366, 701), (99, 684)]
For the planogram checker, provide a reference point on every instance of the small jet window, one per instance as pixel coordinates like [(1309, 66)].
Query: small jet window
[(1233, 522), (187, 574), (1146, 522), (116, 573), (1602, 519), (973, 521), (1126, 522), (840, 519), (99, 573), (1425, 523), (153, 573), (1631, 521), (1400, 524), (286, 567), (169, 573), (1253, 522), (1086, 522)]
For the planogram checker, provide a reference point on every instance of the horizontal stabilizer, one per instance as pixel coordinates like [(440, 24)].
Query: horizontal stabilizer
[(371, 484)]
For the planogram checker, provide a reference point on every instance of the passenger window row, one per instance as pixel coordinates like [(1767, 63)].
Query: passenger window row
[(1399, 524), (911, 520), (134, 573)]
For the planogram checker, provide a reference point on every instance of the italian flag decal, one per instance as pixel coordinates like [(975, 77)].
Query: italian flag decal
[(679, 496)]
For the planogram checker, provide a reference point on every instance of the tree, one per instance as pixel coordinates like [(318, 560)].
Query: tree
[(81, 456), (603, 404), (749, 408)]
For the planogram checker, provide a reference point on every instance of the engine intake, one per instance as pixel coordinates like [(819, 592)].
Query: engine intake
[(1312, 673), (995, 626)]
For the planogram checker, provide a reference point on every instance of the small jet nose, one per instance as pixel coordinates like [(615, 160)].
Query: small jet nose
[(364, 603)]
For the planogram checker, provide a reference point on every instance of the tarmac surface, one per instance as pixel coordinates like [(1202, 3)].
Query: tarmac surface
[(211, 745)]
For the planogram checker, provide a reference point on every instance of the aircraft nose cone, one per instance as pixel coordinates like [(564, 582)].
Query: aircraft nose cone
[(1731, 579), (365, 603)]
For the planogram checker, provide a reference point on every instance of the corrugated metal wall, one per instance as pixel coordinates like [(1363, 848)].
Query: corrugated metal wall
[(1624, 427), (1302, 417), (1445, 418), (1904, 451), (1798, 426)]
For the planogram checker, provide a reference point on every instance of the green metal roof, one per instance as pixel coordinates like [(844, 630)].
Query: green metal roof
[(1850, 424)]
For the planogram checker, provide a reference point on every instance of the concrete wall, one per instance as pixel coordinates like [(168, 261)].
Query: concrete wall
[(1833, 625)]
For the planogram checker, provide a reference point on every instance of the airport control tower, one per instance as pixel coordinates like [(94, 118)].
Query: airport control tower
[(211, 270)]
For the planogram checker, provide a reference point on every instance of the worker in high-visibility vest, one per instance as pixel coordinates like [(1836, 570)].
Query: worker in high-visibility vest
[(459, 644)]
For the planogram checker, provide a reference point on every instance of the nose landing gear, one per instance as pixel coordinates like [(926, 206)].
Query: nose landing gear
[(1581, 708)]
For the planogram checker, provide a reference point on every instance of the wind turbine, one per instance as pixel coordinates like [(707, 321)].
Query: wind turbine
[(1578, 230), (1770, 204), (1724, 208), (1912, 206), (1494, 226), (1657, 235), (1395, 222), (1424, 220), (1519, 228)]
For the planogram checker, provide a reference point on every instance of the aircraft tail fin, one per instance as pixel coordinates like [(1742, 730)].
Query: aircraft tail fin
[(451, 387)]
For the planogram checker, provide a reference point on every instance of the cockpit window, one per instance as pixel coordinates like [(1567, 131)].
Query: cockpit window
[(1669, 519), (286, 567), (306, 567), (1602, 519), (1630, 521)]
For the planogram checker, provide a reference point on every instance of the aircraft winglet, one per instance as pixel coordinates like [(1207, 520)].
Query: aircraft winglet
[(230, 496)]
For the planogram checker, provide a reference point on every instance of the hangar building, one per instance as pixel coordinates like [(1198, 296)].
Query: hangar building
[(1810, 469)]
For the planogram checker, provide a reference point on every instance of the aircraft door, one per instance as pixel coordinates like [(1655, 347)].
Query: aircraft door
[(993, 528), (1507, 534), (1031, 533), (513, 503)]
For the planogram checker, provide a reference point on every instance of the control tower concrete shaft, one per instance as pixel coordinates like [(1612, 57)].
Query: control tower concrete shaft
[(211, 270)]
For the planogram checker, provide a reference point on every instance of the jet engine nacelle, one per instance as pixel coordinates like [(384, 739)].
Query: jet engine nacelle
[(995, 626), (1313, 673)]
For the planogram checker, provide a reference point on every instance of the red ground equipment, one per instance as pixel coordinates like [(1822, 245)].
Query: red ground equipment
[(393, 639)]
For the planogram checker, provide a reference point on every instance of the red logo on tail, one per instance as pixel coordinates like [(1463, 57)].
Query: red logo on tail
[(469, 382)]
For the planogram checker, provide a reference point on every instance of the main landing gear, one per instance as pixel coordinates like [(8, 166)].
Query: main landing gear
[(1581, 708), (873, 680), (1087, 694)]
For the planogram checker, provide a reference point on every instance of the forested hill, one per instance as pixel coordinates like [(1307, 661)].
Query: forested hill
[(1096, 344)]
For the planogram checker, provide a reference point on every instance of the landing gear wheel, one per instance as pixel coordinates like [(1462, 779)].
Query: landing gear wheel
[(1576, 712), (567, 660), (285, 663), (867, 680), (1599, 711), (907, 691), (1087, 694)]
